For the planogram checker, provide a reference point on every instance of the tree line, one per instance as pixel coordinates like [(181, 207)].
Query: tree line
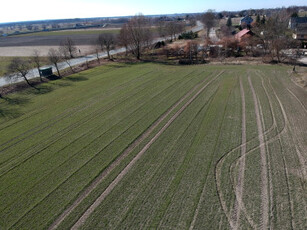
[(136, 35)]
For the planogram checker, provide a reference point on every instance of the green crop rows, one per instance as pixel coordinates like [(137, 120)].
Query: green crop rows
[(168, 140)]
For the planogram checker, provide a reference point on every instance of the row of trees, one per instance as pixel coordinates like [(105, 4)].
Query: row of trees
[(135, 36)]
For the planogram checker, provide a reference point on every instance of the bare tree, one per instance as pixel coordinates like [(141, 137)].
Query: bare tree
[(123, 37), (138, 35), (209, 20), (68, 46), (106, 42), (37, 62), (275, 36), (65, 55), (174, 28), (54, 57), (191, 51), (162, 29), (96, 50), (20, 68)]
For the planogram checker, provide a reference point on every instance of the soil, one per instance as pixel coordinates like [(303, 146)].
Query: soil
[(27, 51), (52, 40)]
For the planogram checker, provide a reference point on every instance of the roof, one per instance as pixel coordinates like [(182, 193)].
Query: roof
[(242, 33), (299, 20), (247, 17)]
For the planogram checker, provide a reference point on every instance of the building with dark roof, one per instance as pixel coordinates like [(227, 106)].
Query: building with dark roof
[(297, 21)]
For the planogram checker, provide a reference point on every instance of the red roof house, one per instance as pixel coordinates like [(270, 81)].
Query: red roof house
[(243, 34)]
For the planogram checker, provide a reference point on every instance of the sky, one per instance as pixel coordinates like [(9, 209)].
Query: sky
[(27, 10)]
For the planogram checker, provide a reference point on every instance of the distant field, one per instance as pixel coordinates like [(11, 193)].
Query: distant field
[(54, 38), (149, 146), (70, 32)]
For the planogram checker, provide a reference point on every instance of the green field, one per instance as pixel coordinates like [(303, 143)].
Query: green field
[(151, 146)]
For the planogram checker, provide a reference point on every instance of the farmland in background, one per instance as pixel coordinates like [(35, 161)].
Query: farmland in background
[(71, 32), (156, 146)]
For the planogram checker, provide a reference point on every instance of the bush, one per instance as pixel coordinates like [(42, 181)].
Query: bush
[(188, 35)]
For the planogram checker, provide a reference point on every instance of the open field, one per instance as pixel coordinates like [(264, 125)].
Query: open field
[(27, 51), (71, 32), (151, 146), (52, 40)]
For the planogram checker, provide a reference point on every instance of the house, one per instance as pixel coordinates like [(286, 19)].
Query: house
[(300, 34), (245, 33), (247, 20), (295, 22)]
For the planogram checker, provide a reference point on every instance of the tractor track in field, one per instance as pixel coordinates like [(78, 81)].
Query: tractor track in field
[(240, 180), (268, 158), (295, 140), (160, 167), (45, 108), (287, 129), (84, 147), (201, 198), (33, 113), (240, 196), (97, 151), (97, 202), (50, 122), (298, 100), (69, 129), (264, 176), (221, 160), (192, 141)]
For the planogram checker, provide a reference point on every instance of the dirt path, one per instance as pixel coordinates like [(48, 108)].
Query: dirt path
[(106, 172), (264, 166), (240, 179)]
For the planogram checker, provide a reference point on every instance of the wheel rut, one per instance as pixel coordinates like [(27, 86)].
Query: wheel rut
[(106, 172), (263, 163)]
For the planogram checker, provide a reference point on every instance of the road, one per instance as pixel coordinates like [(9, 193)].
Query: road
[(77, 61), (212, 35), (303, 60)]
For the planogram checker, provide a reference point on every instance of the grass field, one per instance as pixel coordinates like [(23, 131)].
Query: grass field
[(151, 146)]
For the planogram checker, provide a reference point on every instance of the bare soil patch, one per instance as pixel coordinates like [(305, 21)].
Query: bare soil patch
[(27, 51)]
